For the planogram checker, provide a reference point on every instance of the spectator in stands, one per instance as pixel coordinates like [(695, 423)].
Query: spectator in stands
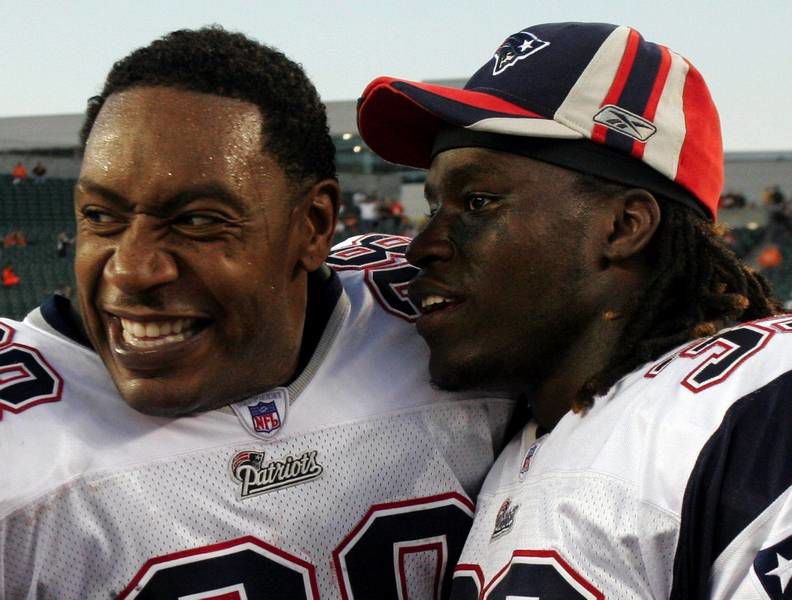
[(63, 242), (9, 277), (39, 173), (773, 196), (779, 217), (392, 216), (369, 214), (350, 225), (15, 238), (19, 173), (733, 200), (770, 258)]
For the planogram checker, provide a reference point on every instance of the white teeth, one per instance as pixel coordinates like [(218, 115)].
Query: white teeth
[(155, 332), (428, 301)]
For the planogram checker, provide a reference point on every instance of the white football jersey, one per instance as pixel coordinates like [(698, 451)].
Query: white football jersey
[(355, 481), (676, 484)]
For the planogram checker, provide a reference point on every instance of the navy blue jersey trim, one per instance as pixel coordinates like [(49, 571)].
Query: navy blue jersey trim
[(741, 470), (324, 290), (59, 314)]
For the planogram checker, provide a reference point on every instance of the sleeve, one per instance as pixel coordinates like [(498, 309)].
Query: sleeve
[(736, 524)]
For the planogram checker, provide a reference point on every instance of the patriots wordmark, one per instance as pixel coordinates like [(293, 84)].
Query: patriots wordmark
[(256, 477)]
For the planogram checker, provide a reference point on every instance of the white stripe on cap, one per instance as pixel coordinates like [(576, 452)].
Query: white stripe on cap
[(586, 96), (663, 148), (527, 127)]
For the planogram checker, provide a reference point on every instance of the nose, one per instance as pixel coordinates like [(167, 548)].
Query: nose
[(432, 244), (140, 260)]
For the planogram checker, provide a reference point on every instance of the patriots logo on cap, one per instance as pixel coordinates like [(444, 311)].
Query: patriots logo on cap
[(625, 122), (773, 567), (515, 48)]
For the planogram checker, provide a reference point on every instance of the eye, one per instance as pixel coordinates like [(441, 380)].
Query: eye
[(197, 220), (97, 215), (200, 224), (477, 202)]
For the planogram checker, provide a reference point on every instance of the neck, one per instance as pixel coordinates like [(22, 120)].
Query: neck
[(592, 350)]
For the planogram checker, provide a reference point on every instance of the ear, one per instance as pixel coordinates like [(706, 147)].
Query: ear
[(635, 217), (318, 212)]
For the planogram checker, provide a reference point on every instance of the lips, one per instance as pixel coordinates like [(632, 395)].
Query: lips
[(154, 343), (436, 303), (149, 334)]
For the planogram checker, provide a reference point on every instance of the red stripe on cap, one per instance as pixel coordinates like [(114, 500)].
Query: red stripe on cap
[(654, 97), (397, 121), (619, 81), (470, 98), (700, 167)]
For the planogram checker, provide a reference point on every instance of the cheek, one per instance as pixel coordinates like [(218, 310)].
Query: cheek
[(89, 260)]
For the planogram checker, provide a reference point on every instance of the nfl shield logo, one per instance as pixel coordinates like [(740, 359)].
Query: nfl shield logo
[(264, 415), (266, 418)]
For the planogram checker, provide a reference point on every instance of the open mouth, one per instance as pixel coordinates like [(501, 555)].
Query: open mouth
[(153, 344), (433, 303), (153, 334)]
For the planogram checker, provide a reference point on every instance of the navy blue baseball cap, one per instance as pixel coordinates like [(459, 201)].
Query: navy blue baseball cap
[(637, 112)]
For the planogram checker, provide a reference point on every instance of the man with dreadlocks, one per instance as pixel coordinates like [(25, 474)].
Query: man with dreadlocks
[(571, 256)]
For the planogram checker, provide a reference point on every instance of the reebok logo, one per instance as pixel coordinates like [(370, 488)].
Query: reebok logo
[(625, 122)]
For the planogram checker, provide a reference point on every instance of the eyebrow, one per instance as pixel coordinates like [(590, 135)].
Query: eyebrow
[(210, 189), (464, 171)]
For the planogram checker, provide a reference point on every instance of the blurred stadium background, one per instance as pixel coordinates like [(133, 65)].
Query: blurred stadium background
[(37, 222)]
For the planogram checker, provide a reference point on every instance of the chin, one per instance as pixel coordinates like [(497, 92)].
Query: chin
[(154, 403), (472, 373), (454, 377)]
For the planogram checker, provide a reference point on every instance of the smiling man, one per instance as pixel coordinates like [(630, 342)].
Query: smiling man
[(571, 257), (227, 417)]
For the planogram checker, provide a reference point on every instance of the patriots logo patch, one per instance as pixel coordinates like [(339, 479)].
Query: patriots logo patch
[(504, 520), (773, 567), (516, 48), (256, 477), (625, 122)]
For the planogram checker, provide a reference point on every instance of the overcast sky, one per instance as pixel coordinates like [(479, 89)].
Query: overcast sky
[(54, 55)]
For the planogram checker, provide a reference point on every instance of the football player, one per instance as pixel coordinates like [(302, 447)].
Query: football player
[(571, 255), (227, 417)]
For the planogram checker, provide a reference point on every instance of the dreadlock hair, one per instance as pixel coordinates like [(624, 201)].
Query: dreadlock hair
[(215, 61), (696, 287)]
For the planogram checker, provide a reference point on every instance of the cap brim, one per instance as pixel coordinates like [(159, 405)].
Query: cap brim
[(399, 119)]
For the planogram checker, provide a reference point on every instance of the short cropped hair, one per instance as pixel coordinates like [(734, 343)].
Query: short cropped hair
[(215, 61)]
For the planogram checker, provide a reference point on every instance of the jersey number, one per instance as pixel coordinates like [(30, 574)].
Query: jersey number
[(725, 352), (26, 378), (369, 563), (530, 574), (387, 273)]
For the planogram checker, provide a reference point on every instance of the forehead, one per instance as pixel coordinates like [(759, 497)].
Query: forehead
[(463, 165), (155, 131)]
